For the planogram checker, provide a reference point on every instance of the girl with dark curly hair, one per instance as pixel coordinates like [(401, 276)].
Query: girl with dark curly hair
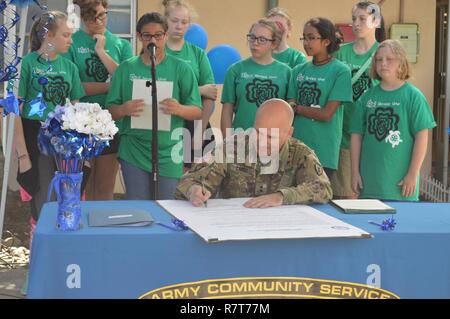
[(97, 53)]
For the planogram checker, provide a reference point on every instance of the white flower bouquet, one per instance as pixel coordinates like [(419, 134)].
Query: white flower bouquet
[(90, 119), (76, 132)]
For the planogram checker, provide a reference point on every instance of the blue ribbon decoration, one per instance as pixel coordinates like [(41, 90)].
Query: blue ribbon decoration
[(3, 34), (15, 19), (177, 225), (10, 104), (26, 3), (3, 5), (37, 106), (67, 188), (386, 225)]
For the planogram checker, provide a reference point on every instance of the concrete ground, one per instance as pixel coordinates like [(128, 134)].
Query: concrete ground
[(11, 281)]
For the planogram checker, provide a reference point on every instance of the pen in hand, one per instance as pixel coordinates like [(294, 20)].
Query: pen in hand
[(203, 190)]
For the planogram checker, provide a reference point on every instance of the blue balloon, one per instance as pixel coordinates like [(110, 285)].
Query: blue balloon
[(197, 35), (221, 58)]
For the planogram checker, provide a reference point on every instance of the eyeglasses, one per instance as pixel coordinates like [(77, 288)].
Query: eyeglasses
[(148, 37), (101, 16), (261, 40), (309, 39)]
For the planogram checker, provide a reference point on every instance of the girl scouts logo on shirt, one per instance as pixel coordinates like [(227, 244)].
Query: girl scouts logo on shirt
[(383, 122), (309, 94), (96, 69), (362, 85), (371, 104), (259, 91), (56, 90)]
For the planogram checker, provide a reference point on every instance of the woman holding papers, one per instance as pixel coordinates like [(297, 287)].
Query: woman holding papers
[(97, 53), (179, 15), (184, 103)]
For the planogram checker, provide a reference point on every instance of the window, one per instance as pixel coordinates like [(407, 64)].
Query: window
[(123, 13)]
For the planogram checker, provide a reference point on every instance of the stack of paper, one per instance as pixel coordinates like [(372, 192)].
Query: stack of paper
[(362, 206)]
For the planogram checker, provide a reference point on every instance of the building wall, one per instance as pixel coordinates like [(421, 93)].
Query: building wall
[(228, 21)]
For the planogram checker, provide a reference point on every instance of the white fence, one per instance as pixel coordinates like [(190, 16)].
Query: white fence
[(433, 190)]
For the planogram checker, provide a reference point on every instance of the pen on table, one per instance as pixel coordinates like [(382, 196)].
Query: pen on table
[(203, 191)]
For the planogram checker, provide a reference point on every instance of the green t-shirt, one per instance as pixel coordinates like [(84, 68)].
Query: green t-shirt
[(197, 59), (388, 122), (291, 57), (91, 68), (136, 144), (355, 61), (63, 83), (248, 84), (316, 85)]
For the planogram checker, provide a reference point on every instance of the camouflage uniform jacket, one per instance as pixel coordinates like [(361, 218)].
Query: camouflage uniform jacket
[(300, 176)]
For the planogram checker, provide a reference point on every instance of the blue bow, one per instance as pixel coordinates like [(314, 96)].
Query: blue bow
[(177, 225), (386, 225)]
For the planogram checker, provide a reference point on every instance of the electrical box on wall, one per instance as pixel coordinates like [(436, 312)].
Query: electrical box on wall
[(408, 35)]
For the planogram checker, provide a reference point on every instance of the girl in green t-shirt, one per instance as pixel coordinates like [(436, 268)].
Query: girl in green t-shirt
[(368, 27), (250, 82), (390, 129), (316, 91), (97, 53), (283, 52), (179, 15), (135, 149), (45, 72)]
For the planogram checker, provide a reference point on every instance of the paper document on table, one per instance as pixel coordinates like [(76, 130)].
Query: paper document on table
[(228, 219), (363, 206), (142, 90)]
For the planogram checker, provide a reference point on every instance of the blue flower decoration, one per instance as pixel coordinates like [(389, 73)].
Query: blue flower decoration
[(386, 225)]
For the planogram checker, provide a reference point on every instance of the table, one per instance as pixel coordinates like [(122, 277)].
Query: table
[(413, 261)]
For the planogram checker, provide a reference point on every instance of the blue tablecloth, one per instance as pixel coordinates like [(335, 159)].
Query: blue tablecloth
[(413, 261)]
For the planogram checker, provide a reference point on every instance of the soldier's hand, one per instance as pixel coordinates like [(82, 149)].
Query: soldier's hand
[(197, 197), (264, 201)]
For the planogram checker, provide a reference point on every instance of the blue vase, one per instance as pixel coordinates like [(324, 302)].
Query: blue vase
[(68, 193)]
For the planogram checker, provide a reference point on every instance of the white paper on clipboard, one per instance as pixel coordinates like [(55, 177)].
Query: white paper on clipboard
[(142, 91)]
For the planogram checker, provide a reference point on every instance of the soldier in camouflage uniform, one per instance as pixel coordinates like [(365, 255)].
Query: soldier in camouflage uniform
[(298, 179)]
